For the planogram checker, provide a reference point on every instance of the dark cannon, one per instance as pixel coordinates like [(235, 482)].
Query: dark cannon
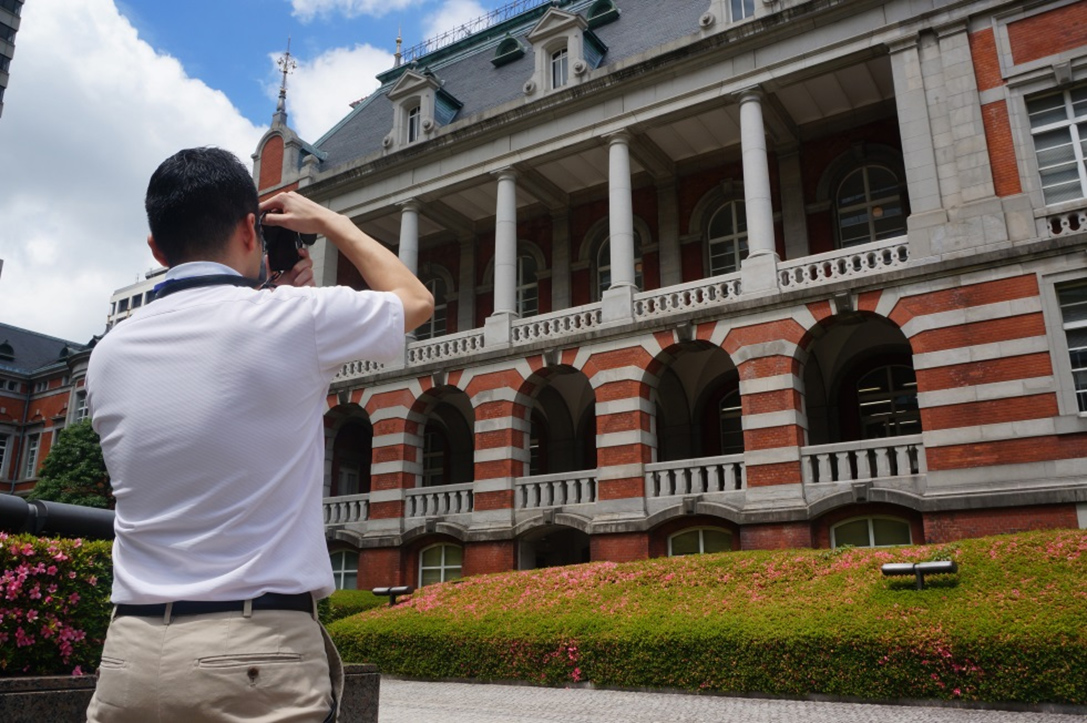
[(39, 517)]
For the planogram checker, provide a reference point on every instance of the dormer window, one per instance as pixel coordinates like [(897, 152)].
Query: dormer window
[(415, 119), (742, 9), (7, 352), (420, 107), (560, 67), (566, 51)]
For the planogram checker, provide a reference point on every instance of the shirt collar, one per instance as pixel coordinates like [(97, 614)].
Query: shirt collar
[(198, 268)]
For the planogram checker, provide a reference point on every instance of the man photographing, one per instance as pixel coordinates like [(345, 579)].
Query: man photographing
[(209, 402)]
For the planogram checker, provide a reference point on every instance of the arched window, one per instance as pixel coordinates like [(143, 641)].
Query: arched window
[(887, 402), (727, 234), (732, 430), (345, 570), (435, 325), (528, 286), (560, 67), (869, 206), (603, 265), (415, 119), (440, 563), (698, 541), (871, 532)]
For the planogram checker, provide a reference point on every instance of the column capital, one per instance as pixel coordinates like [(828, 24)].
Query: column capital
[(749, 94), (412, 204), (618, 137), (507, 173), (906, 42)]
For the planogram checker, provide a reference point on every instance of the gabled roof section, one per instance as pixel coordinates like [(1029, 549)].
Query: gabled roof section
[(31, 351), (467, 73), (412, 82), (555, 21)]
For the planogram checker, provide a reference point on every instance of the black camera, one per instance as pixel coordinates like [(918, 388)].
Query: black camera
[(282, 244)]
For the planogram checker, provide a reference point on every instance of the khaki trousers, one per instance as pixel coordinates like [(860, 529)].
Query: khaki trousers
[(274, 666)]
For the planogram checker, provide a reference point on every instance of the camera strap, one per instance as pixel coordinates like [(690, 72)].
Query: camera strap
[(171, 286)]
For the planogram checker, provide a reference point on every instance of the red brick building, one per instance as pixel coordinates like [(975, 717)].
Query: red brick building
[(737, 275), (41, 391)]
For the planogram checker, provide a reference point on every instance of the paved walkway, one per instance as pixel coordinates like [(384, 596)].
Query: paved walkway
[(405, 701)]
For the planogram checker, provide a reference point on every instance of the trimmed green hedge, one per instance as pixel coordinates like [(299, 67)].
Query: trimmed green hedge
[(345, 603), (1010, 627)]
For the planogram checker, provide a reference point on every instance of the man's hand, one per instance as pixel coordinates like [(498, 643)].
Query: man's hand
[(301, 274), (379, 267)]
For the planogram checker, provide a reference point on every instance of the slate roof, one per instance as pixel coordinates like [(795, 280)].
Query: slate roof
[(34, 351), (468, 75)]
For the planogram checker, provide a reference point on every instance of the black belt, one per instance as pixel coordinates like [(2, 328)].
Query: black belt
[(302, 602)]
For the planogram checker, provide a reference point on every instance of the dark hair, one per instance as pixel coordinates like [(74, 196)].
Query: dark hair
[(195, 200)]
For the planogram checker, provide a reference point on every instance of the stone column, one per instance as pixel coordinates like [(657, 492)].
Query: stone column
[(618, 299), (466, 297), (497, 328), (759, 270), (409, 235)]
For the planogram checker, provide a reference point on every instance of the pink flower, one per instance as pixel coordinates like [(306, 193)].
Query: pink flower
[(31, 616)]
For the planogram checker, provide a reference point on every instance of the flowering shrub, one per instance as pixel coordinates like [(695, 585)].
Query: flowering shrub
[(54, 604), (1010, 627)]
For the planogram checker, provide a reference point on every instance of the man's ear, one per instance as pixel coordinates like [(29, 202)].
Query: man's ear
[(250, 235), (156, 251)]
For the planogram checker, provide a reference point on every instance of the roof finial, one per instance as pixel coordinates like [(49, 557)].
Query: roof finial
[(399, 40), (286, 65)]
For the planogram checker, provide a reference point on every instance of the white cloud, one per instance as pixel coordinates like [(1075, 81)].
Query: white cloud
[(89, 113), (320, 91), (451, 15), (306, 10)]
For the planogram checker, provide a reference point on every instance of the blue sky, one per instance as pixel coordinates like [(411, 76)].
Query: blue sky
[(101, 91)]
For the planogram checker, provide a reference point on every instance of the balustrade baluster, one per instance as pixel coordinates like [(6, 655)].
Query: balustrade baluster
[(883, 462), (845, 469), (715, 482), (825, 474)]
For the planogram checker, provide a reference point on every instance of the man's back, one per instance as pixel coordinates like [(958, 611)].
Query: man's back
[(209, 403)]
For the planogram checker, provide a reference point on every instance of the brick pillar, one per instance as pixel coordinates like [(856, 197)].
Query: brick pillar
[(483, 558), (771, 392), (381, 567), (624, 440), (620, 547), (501, 455), (394, 459)]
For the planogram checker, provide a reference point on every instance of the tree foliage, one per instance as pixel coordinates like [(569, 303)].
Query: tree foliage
[(75, 472)]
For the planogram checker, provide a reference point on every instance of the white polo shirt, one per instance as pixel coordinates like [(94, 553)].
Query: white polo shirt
[(210, 405)]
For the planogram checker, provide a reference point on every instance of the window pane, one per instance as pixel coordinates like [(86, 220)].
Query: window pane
[(453, 555), (891, 532), (350, 581), (429, 577), (716, 541), (1047, 109), (685, 543), (432, 557), (452, 573), (852, 533)]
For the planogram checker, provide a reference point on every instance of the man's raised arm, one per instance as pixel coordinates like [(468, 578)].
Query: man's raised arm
[(380, 268)]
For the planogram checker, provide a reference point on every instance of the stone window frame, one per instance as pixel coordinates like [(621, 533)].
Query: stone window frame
[(592, 245), (871, 529), (30, 455), (1052, 73), (701, 530), (1071, 418), (418, 89), (443, 567), (5, 445)]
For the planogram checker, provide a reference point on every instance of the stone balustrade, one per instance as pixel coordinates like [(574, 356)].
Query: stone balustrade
[(684, 297), (443, 500), (356, 369), (863, 460), (1067, 223), (450, 346), (346, 508), (555, 490), (848, 263), (695, 476), (555, 324)]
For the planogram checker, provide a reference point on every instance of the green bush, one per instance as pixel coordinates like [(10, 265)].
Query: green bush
[(344, 603), (54, 604), (1010, 627)]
